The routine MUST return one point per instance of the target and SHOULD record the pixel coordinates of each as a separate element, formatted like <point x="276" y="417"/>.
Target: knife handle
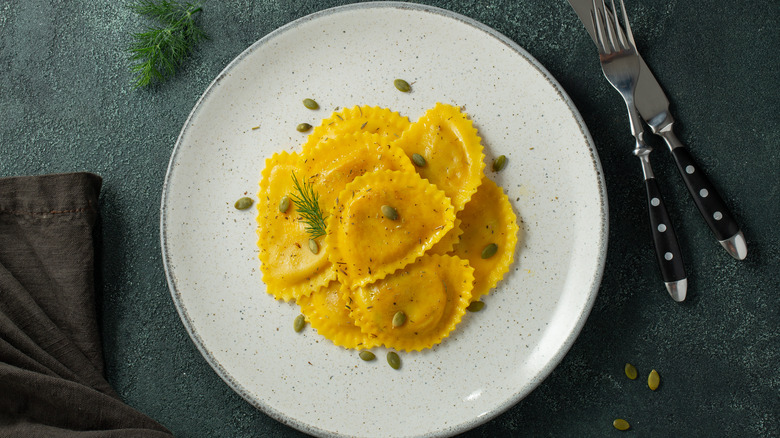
<point x="705" y="196"/>
<point x="667" y="249"/>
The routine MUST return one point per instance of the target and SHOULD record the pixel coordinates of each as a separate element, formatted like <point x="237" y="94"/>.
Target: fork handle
<point x="667" y="249"/>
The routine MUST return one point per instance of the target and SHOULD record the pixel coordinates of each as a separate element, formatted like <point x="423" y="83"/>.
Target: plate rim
<point x="603" y="215"/>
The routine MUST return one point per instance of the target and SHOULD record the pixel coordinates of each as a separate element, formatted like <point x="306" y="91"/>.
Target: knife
<point x="653" y="106"/>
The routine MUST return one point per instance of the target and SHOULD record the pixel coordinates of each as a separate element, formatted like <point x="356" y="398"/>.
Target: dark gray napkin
<point x="51" y="361"/>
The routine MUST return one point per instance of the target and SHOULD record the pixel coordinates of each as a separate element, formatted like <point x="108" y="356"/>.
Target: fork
<point x="620" y="64"/>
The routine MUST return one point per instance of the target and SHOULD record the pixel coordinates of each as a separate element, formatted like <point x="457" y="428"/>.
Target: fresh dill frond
<point x="161" y="49"/>
<point x="306" y="201"/>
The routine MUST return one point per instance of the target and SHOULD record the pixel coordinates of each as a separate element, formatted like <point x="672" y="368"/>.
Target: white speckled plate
<point x="348" y="56"/>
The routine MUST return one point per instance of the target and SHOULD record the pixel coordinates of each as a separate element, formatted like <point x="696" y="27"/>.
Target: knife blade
<point x="653" y="105"/>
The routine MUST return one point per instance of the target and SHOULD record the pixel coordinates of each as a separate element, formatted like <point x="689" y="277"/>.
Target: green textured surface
<point x="66" y="105"/>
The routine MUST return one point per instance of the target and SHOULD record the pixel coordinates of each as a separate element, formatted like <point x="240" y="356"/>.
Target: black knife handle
<point x="667" y="250"/>
<point x="707" y="199"/>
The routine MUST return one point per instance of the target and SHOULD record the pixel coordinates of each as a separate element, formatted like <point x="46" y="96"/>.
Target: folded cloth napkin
<point x="51" y="360"/>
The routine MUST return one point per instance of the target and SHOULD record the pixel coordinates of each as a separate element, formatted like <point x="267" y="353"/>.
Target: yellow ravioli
<point x="329" y="314"/>
<point x="335" y="162"/>
<point x="365" y="245"/>
<point x="449" y="240"/>
<point x="448" y="141"/>
<point x="289" y="268"/>
<point x="432" y="293"/>
<point x="373" y="120"/>
<point x="487" y="218"/>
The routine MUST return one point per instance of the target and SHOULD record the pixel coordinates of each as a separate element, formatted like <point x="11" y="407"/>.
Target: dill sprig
<point x="161" y="49"/>
<point x="307" y="204"/>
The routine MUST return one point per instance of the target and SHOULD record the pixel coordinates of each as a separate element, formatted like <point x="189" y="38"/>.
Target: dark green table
<point x="66" y="104"/>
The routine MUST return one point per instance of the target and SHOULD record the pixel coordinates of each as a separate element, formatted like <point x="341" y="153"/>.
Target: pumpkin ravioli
<point x="401" y="257"/>
<point x="329" y="314"/>
<point x="334" y="162"/>
<point x="370" y="119"/>
<point x="289" y="268"/>
<point x="448" y="141"/>
<point x="367" y="246"/>
<point x="449" y="240"/>
<point x="432" y="293"/>
<point x="487" y="218"/>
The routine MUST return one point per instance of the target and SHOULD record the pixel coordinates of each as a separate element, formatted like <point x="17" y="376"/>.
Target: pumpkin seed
<point x="475" y="306"/>
<point x="311" y="104"/>
<point x="303" y="127"/>
<point x="653" y="380"/>
<point x="393" y="360"/>
<point x="418" y="160"/>
<point x="313" y="246"/>
<point x="389" y="212"/>
<point x="399" y="319"/>
<point x="244" y="203"/>
<point x="499" y="163"/>
<point x="630" y="371"/>
<point x="621" y="424"/>
<point x="489" y="251"/>
<point x="299" y="323"/>
<point x="367" y="355"/>
<point x="402" y="85"/>
<point x="284" y="204"/>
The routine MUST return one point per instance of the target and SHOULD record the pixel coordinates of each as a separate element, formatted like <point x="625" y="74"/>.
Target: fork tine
<point x="613" y="38"/>
<point x="597" y="24"/>
<point x="621" y="36"/>
<point x="626" y="24"/>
